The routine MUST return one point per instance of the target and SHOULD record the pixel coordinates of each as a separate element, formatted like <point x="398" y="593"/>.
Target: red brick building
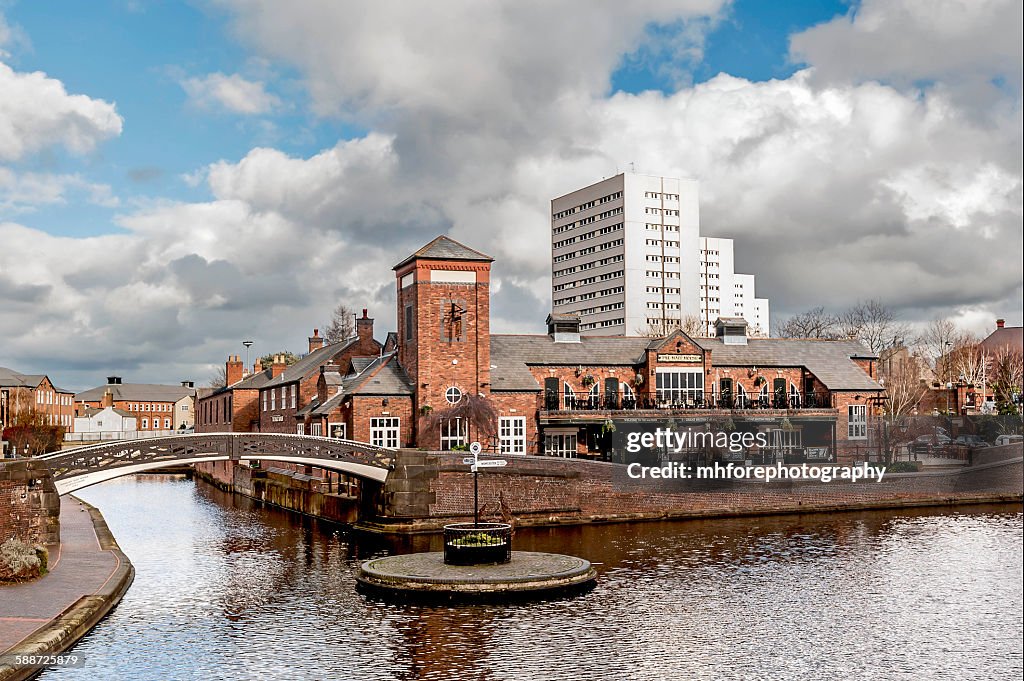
<point x="267" y="400"/>
<point x="556" y="393"/>
<point x="158" y="409"/>
<point x="22" y="392"/>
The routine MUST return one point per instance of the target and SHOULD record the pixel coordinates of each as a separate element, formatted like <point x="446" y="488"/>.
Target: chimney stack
<point x="1000" y="323"/>
<point x="113" y="380"/>
<point x="233" y="370"/>
<point x="278" y="367"/>
<point x="107" y="400"/>
<point x="364" y="329"/>
<point x="315" y="341"/>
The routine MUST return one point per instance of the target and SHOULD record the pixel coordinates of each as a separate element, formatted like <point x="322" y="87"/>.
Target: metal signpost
<point x="475" y="464"/>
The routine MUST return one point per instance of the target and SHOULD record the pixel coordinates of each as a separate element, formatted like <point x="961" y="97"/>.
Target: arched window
<point x="628" y="396"/>
<point x="741" y="396"/>
<point x="568" y="396"/>
<point x="794" y="397"/>
<point x="765" y="394"/>
<point x="594" y="398"/>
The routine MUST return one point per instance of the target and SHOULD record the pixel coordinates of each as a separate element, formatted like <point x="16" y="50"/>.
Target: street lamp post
<point x="248" y="344"/>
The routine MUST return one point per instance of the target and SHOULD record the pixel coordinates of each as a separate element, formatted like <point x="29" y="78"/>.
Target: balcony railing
<point x="551" y="401"/>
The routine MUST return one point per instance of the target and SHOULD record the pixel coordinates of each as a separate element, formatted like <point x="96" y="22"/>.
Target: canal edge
<point x="79" y="618"/>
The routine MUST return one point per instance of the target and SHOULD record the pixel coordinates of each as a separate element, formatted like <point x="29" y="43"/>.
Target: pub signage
<point x="679" y="358"/>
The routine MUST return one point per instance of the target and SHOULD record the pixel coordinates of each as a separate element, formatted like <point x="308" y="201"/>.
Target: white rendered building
<point x="627" y="256"/>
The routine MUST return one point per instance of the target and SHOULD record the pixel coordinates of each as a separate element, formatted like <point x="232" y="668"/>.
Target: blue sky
<point x="189" y="174"/>
<point x="135" y="54"/>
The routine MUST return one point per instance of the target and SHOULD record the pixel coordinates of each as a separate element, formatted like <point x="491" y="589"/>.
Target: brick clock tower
<point x="444" y="340"/>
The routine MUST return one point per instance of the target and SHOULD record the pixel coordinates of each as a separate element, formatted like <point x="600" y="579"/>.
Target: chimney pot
<point x="1000" y="323"/>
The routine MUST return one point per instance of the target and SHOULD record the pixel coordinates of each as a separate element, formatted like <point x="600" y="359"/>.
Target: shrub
<point x="20" y="561"/>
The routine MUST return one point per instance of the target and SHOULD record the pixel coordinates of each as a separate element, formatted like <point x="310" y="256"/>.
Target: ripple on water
<point x="225" y="590"/>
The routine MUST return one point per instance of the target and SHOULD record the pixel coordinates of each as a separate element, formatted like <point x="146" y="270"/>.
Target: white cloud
<point x="24" y="192"/>
<point x="37" y="112"/>
<point x="836" y="188"/>
<point x="230" y="92"/>
<point x="910" y="40"/>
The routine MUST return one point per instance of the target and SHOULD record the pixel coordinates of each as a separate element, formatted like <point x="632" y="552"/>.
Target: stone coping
<point x="427" y="574"/>
<point x="68" y="626"/>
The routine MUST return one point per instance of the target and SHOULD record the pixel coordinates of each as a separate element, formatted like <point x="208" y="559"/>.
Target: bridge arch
<point x="80" y="467"/>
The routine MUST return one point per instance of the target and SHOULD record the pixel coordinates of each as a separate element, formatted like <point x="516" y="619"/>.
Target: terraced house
<point x="556" y="393"/>
<point x="21" y="393"/>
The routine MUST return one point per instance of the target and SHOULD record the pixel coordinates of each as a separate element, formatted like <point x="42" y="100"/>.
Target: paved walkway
<point x="78" y="567"/>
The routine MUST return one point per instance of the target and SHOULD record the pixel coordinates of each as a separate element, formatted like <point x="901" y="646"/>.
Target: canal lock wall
<point x="427" y="490"/>
<point x="283" y="488"/>
<point x="430" y="489"/>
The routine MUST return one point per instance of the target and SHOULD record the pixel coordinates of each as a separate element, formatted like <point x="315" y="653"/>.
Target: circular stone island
<point x="527" y="575"/>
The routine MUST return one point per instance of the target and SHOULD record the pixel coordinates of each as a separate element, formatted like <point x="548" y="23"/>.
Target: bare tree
<point x="218" y="378"/>
<point x="1006" y="375"/>
<point x="905" y="383"/>
<point x="936" y="341"/>
<point x="341" y="326"/>
<point x="965" y="361"/>
<point x="691" y="325"/>
<point x="873" y="324"/>
<point x="814" y="323"/>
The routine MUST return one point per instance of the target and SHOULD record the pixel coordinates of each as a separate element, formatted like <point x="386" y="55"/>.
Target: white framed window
<point x="315" y="429"/>
<point x="560" y="443"/>
<point x="385" y="431"/>
<point x="568" y="396"/>
<point x="184" y="407"/>
<point x="453" y="395"/>
<point x="300" y="429"/>
<point x="679" y="385"/>
<point x="454" y="433"/>
<point x="294" y="391"/>
<point x="145" y="424"/>
<point x="338" y="431"/>
<point x="512" y="434"/>
<point x="167" y="424"/>
<point x="594" y="397"/>
<point x="857" y="422"/>
<point x="264" y="400"/>
<point x="273" y="400"/>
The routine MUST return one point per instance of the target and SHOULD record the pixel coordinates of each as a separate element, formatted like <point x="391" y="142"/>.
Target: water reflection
<point x="228" y="589"/>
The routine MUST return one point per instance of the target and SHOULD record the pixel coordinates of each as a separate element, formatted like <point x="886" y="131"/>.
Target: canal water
<point x="226" y="589"/>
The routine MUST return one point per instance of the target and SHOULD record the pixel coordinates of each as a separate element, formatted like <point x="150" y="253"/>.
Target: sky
<point x="177" y="177"/>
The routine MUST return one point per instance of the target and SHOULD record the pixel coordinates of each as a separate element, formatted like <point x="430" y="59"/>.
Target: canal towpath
<point x="88" y="575"/>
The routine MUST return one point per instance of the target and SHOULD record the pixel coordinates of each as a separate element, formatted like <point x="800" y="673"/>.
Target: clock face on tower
<point x="453" y="317"/>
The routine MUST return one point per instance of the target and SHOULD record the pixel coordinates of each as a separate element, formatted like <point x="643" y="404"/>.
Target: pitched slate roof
<point x="830" y="361"/>
<point x="305" y="366"/>
<point x="142" y="392"/>
<point x="389" y="379"/>
<point x="1009" y="336"/>
<point x="9" y="378"/>
<point x="444" y="248"/>
<point x="512" y="354"/>
<point x="382" y="376"/>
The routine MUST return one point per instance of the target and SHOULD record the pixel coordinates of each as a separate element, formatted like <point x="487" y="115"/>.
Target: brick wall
<point x="29" y="503"/>
<point x="429" y="489"/>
